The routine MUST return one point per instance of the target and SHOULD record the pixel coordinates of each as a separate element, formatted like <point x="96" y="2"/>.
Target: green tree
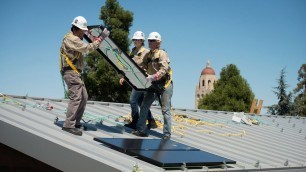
<point x="114" y="16"/>
<point x="273" y="109"/>
<point x="284" y="99"/>
<point x="101" y="79"/>
<point x="300" y="91"/>
<point x="231" y="93"/>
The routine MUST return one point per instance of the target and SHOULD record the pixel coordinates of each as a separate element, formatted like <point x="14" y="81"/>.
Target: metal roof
<point x="26" y="124"/>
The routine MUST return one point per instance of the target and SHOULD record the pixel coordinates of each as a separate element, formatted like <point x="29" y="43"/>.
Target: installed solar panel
<point x="177" y="158"/>
<point x="144" y="144"/>
<point x="164" y="153"/>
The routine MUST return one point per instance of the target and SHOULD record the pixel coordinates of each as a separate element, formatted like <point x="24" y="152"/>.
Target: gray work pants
<point x="78" y="98"/>
<point x="149" y="98"/>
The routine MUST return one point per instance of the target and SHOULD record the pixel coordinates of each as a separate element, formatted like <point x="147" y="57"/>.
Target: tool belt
<point x="157" y="88"/>
<point x="160" y="86"/>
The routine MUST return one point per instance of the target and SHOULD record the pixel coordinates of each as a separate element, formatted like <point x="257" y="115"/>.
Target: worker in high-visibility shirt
<point x="136" y="97"/>
<point x="156" y="64"/>
<point x="72" y="64"/>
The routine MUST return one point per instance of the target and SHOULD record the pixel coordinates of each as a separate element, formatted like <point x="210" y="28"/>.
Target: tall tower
<point x="206" y="83"/>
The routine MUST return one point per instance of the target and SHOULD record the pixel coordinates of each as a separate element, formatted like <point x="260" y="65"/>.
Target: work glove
<point x="98" y="39"/>
<point x="105" y="33"/>
<point x="151" y="78"/>
<point x="121" y="81"/>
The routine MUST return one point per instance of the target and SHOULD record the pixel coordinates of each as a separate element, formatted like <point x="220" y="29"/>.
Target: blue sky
<point x="259" y="36"/>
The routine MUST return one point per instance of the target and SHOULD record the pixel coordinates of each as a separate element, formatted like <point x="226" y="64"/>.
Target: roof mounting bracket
<point x="257" y="164"/>
<point x="224" y="166"/>
<point x="205" y="168"/>
<point x="286" y="163"/>
<point x="24" y="107"/>
<point x="183" y="166"/>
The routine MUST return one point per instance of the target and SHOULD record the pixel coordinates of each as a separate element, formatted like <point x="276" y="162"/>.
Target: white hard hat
<point x="154" y="36"/>
<point x="80" y="22"/>
<point x="139" y="35"/>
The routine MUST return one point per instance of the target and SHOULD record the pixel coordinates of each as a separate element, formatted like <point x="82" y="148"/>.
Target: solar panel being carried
<point x="119" y="60"/>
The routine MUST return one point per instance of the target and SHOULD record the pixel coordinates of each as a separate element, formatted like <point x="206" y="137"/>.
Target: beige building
<point x="206" y="83"/>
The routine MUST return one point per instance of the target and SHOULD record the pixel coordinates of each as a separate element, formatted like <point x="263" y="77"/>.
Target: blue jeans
<point x="149" y="98"/>
<point x="136" y="99"/>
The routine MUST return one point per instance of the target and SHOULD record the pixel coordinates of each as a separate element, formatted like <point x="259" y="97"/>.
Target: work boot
<point x="166" y="137"/>
<point x="80" y="126"/>
<point x="139" y="133"/>
<point x="152" y="124"/>
<point x="133" y="124"/>
<point x="74" y="131"/>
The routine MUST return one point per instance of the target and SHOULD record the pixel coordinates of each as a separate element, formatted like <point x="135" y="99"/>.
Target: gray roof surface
<point x="26" y="124"/>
